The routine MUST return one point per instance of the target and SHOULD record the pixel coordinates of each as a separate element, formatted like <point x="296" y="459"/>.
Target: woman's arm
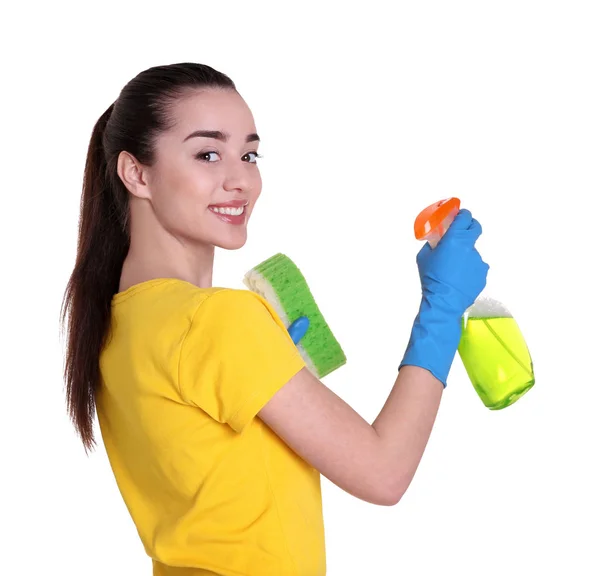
<point x="375" y="463"/>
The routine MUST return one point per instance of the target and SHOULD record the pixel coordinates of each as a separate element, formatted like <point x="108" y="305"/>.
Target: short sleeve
<point x="236" y="355"/>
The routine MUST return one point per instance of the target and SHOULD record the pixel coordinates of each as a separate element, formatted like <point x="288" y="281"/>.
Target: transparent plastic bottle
<point x="492" y="347"/>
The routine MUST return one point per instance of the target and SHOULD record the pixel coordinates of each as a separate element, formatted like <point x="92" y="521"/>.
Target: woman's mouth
<point x="231" y="213"/>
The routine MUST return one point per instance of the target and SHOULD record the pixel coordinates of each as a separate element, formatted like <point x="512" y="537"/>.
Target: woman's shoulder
<point x="175" y="297"/>
<point x="165" y="290"/>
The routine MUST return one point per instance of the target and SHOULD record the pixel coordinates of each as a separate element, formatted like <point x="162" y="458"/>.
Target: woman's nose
<point x="236" y="176"/>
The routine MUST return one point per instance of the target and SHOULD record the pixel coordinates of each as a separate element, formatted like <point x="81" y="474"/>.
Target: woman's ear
<point x="132" y="175"/>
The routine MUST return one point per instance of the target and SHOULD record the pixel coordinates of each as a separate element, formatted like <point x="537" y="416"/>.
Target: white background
<point x="367" y="113"/>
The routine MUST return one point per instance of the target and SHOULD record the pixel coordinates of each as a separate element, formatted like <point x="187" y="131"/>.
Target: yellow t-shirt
<point x="210" y="488"/>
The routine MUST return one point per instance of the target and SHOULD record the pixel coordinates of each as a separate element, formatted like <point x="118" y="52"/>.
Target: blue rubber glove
<point x="452" y="276"/>
<point x="298" y="329"/>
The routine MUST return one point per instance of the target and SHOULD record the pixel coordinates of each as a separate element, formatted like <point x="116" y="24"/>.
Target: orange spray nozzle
<point x="431" y="224"/>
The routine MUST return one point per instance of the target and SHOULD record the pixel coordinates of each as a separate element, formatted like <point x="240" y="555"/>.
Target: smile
<point x="235" y="214"/>
<point x="230" y="211"/>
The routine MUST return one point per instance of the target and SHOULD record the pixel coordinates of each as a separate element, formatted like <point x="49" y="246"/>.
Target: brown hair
<point x="131" y="123"/>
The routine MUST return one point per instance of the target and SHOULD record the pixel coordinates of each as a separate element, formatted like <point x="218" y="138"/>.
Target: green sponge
<point x="283" y="286"/>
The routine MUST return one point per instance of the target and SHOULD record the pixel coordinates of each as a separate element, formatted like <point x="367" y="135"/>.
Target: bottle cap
<point x="433" y="221"/>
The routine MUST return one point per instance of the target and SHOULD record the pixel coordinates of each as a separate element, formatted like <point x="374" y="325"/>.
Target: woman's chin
<point x="232" y="243"/>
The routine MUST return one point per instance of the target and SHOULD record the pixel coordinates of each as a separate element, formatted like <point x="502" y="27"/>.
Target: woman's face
<point x="205" y="179"/>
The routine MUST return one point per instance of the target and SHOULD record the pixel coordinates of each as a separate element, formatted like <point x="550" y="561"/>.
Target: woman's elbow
<point x="390" y="497"/>
<point x="392" y="491"/>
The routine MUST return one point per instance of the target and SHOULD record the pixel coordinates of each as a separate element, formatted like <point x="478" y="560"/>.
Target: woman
<point x="216" y="431"/>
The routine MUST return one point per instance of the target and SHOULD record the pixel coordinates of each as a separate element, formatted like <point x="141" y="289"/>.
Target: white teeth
<point x="231" y="211"/>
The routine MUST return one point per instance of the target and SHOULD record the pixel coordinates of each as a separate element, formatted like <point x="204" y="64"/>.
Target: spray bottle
<point x="492" y="348"/>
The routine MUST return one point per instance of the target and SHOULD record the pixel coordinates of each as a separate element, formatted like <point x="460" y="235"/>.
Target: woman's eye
<point x="205" y="156"/>
<point x="248" y="157"/>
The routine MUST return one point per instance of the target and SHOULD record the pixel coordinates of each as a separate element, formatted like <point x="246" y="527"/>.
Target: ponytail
<point x="103" y="243"/>
<point x="141" y="112"/>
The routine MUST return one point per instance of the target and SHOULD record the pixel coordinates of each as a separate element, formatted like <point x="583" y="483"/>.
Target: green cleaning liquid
<point x="495" y="354"/>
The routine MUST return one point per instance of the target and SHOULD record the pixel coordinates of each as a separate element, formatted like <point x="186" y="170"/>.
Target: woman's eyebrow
<point x="218" y="135"/>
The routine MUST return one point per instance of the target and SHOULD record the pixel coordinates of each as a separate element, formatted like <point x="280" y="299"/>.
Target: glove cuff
<point x="434" y="340"/>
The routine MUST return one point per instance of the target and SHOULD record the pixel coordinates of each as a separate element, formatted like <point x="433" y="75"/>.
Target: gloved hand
<point x="452" y="276"/>
<point x="298" y="329"/>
